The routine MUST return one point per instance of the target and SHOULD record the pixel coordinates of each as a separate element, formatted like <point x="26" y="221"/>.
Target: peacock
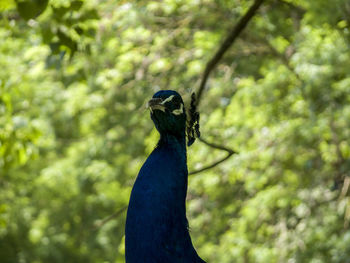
<point x="156" y="228"/>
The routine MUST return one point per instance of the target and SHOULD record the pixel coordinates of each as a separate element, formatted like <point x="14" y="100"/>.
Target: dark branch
<point x="229" y="151"/>
<point x="117" y="213"/>
<point x="283" y="58"/>
<point x="232" y="36"/>
<point x="217" y="146"/>
<point x="211" y="165"/>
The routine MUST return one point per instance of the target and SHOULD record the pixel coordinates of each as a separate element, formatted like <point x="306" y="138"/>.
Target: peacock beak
<point x="156" y="104"/>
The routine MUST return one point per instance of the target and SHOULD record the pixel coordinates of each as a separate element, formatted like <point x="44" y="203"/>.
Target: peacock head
<point x="169" y="115"/>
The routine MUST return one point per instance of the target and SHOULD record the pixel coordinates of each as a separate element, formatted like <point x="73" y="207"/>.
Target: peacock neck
<point x="176" y="143"/>
<point x="174" y="147"/>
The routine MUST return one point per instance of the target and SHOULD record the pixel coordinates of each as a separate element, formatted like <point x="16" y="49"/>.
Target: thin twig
<point x="286" y="62"/>
<point x="283" y="58"/>
<point x="232" y="36"/>
<point x="217" y="146"/>
<point x="117" y="213"/>
<point x="229" y="151"/>
<point x="211" y="165"/>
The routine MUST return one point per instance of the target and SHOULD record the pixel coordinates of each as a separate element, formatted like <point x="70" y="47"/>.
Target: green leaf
<point x="29" y="9"/>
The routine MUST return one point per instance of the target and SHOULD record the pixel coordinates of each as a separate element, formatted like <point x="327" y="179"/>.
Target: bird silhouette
<point x="156" y="228"/>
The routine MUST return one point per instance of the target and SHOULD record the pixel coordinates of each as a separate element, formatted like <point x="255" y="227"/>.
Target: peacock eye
<point x="176" y="104"/>
<point x="176" y="101"/>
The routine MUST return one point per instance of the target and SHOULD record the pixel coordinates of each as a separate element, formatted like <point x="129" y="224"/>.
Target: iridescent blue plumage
<point x="156" y="226"/>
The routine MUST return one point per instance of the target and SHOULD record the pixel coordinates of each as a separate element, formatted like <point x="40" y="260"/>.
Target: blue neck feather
<point x="156" y="227"/>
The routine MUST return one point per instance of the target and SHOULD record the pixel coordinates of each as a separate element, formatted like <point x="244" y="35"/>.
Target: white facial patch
<point x="170" y="98"/>
<point x="157" y="107"/>
<point x="178" y="111"/>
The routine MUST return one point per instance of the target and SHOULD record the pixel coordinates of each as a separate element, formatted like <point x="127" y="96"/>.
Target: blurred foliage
<point x="74" y="79"/>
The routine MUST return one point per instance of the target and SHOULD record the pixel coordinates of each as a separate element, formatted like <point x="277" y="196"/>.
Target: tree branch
<point x="232" y="36"/>
<point x="217" y="146"/>
<point x="101" y="222"/>
<point x="229" y="151"/>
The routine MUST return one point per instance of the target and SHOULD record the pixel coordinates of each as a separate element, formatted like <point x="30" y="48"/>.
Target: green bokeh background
<point x="74" y="79"/>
